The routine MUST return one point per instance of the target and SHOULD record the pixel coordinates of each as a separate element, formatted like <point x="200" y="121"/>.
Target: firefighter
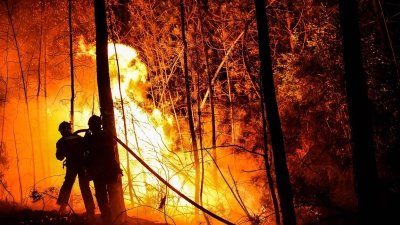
<point x="70" y="147"/>
<point x="101" y="165"/>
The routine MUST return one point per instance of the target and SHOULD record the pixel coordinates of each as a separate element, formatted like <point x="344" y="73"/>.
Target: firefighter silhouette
<point x="70" y="147"/>
<point x="101" y="165"/>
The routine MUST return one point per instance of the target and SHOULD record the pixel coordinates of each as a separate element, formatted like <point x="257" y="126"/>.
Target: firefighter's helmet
<point x="94" y="121"/>
<point x="64" y="126"/>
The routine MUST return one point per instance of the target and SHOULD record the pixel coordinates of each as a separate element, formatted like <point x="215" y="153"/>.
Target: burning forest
<point x="221" y="112"/>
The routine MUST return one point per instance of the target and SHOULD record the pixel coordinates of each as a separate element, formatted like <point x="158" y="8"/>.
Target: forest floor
<point x="17" y="215"/>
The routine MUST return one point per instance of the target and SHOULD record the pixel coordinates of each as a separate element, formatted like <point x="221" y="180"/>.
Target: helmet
<point x="64" y="126"/>
<point x="94" y="121"/>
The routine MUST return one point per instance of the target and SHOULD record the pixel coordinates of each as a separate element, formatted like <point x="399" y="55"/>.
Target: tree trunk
<point x="71" y="60"/>
<point x="203" y="14"/>
<point x="281" y="170"/>
<point x="128" y="168"/>
<point x="105" y="97"/>
<point x="38" y="114"/>
<point x="360" y="115"/>
<point x="266" y="162"/>
<point x="190" y="113"/>
<point x="25" y="88"/>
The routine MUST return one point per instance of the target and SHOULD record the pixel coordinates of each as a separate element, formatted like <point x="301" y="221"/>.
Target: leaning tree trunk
<point x="278" y="149"/>
<point x="105" y="97"/>
<point x="360" y="116"/>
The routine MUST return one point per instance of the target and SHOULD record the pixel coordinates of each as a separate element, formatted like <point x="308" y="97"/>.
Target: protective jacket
<point x="71" y="148"/>
<point x="100" y="160"/>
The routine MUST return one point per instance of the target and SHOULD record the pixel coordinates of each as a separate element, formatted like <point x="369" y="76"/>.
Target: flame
<point x="146" y="135"/>
<point x="145" y="130"/>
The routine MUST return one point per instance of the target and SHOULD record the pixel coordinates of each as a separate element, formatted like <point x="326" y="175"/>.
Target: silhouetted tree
<point x="360" y="115"/>
<point x="190" y="112"/>
<point x="105" y="96"/>
<point x="281" y="170"/>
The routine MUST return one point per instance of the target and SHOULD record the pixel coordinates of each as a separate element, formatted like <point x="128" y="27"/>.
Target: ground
<point x="16" y="215"/>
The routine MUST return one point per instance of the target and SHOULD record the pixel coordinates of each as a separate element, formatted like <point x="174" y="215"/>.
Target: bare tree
<point x="105" y="97"/>
<point x="71" y="60"/>
<point x="203" y="14"/>
<point x="267" y="79"/>
<point x="360" y="116"/>
<point x="190" y="111"/>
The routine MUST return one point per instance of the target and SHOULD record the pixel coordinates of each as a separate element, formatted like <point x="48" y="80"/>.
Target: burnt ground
<point x="16" y="215"/>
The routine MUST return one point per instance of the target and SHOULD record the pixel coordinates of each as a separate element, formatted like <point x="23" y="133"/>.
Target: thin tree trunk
<point x="18" y="169"/>
<point x="5" y="92"/>
<point x="141" y="156"/>
<point x="40" y="54"/>
<point x="71" y="60"/>
<point x="177" y="122"/>
<point x="232" y="117"/>
<point x="15" y="140"/>
<point x="190" y="112"/>
<point x="210" y="87"/>
<point x="128" y="168"/>
<point x="281" y="170"/>
<point x="39" y="134"/>
<point x="360" y="116"/>
<point x="220" y="66"/>
<point x="49" y="155"/>
<point x="200" y="139"/>
<point x="200" y="142"/>
<point x="389" y="39"/>
<point x="105" y="98"/>
<point x="24" y="84"/>
<point x="266" y="162"/>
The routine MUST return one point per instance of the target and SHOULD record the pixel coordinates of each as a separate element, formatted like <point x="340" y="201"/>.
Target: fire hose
<point x="141" y="161"/>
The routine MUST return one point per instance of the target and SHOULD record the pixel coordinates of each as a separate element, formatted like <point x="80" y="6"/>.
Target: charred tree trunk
<point x="266" y="162"/>
<point x="281" y="170"/>
<point x="190" y="113"/>
<point x="105" y="96"/>
<point x="360" y="116"/>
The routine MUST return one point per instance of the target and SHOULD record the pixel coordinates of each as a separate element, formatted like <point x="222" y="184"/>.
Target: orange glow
<point x="150" y="133"/>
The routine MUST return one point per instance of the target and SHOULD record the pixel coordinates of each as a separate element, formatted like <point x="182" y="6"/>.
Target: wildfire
<point x="143" y="130"/>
